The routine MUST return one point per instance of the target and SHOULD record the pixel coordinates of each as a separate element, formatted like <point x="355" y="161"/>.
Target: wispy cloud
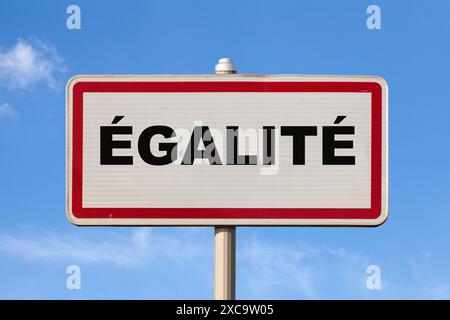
<point x="298" y="270"/>
<point x="266" y="269"/>
<point x="28" y="63"/>
<point x="140" y="248"/>
<point x="7" y="111"/>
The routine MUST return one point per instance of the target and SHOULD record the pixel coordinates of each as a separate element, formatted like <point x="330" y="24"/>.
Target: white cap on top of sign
<point x="225" y="66"/>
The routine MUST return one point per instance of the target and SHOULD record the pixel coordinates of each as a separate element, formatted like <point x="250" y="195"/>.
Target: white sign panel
<point x="226" y="150"/>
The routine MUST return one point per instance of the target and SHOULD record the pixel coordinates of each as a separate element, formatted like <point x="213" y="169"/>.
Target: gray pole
<point x="225" y="236"/>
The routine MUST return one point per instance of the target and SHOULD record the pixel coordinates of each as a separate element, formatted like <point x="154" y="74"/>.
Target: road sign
<point x="227" y="150"/>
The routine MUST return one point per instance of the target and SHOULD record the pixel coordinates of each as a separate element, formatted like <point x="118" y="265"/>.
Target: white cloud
<point x="141" y="248"/>
<point x="271" y="267"/>
<point x="6" y="111"/>
<point x="28" y="63"/>
<point x="265" y="269"/>
<point x="295" y="269"/>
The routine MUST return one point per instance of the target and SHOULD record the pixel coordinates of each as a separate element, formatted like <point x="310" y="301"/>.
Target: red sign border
<point x="371" y="213"/>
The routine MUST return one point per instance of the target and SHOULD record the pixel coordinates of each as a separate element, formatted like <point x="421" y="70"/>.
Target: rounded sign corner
<point x="381" y="82"/>
<point x="72" y="82"/>
<point x="72" y="218"/>
<point x="380" y="220"/>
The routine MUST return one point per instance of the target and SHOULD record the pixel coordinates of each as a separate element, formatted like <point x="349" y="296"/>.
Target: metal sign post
<point x="224" y="263"/>
<point x="225" y="237"/>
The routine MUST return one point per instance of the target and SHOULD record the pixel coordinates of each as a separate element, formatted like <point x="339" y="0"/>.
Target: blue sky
<point x="38" y="54"/>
